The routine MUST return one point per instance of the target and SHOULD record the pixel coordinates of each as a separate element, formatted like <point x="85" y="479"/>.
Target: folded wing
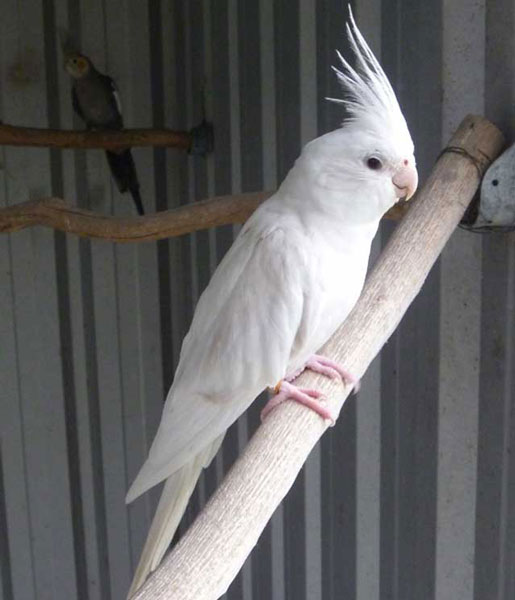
<point x="240" y="342"/>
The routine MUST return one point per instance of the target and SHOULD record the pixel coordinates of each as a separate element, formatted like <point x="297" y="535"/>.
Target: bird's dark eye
<point x="374" y="163"/>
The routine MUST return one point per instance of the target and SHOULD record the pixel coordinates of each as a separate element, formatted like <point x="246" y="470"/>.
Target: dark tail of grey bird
<point x="123" y="170"/>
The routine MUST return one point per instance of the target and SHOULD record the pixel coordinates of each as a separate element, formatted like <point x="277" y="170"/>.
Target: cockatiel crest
<point x="368" y="95"/>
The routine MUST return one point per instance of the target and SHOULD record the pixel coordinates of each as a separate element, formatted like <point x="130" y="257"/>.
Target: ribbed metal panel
<point x="412" y="494"/>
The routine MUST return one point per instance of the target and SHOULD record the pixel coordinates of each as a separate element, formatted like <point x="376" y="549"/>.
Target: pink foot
<point x="307" y="397"/>
<point x="330" y="368"/>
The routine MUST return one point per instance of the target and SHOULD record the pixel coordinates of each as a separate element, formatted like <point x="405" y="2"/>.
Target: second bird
<point x="96" y="101"/>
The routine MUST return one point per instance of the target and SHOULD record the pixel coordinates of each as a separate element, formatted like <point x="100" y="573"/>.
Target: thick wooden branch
<point x="110" y="140"/>
<point x="208" y="557"/>
<point x="59" y="214"/>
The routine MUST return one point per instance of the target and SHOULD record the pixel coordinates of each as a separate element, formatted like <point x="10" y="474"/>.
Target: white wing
<point x="240" y="341"/>
<point x="116" y="96"/>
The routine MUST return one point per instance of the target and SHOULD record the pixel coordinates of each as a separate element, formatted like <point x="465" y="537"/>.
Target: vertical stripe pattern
<point x="412" y="494"/>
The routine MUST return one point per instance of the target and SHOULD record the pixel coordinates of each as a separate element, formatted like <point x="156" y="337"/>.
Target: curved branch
<point x="59" y="214"/>
<point x="110" y="140"/>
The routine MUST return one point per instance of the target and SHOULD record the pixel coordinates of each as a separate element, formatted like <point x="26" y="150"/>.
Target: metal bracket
<point x="202" y="139"/>
<point x="493" y="209"/>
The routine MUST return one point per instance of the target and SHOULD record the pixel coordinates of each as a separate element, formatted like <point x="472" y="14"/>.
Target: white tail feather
<point x="172" y="504"/>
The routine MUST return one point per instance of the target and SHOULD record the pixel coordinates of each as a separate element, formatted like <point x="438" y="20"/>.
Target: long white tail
<point x="172" y="504"/>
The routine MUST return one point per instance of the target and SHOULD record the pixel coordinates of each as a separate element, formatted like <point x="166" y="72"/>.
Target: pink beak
<point x="405" y="180"/>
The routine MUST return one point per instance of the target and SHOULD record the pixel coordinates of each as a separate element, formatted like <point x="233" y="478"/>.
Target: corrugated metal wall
<point x="412" y="495"/>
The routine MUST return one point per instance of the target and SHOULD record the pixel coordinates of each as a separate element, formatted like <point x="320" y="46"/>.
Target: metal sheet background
<point x="412" y="495"/>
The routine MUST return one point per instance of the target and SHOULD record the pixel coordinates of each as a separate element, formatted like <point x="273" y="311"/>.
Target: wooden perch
<point x="208" y="557"/>
<point x="58" y="214"/>
<point x="110" y="140"/>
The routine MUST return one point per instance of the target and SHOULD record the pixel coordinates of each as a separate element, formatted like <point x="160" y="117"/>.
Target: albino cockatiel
<point x="290" y="279"/>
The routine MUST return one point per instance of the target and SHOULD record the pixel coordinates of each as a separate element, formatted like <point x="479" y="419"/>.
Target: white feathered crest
<point x="368" y="95"/>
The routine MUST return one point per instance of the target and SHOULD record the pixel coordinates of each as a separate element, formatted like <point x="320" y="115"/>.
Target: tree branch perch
<point x="210" y="554"/>
<point x="109" y="140"/>
<point x="59" y="214"/>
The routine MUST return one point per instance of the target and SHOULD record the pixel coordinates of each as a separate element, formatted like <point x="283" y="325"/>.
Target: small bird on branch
<point x="290" y="279"/>
<point x="96" y="101"/>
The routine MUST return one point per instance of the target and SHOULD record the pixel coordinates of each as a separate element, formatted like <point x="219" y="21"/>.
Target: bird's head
<point x="77" y="65"/>
<point x="371" y="157"/>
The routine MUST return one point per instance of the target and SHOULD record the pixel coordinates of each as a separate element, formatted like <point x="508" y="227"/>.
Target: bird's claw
<point x="306" y="396"/>
<point x="333" y="370"/>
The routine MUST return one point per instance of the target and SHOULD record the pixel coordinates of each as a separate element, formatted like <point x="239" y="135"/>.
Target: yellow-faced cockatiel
<point x="96" y="101"/>
<point x="290" y="279"/>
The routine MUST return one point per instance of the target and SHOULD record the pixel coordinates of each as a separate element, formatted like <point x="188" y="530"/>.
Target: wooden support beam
<point x="210" y="554"/>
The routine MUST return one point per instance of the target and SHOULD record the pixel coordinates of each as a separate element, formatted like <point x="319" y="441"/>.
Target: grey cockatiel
<point x="290" y="279"/>
<point x="96" y="101"/>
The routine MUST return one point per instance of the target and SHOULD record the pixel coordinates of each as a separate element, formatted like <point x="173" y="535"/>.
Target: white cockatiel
<point x="290" y="279"/>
